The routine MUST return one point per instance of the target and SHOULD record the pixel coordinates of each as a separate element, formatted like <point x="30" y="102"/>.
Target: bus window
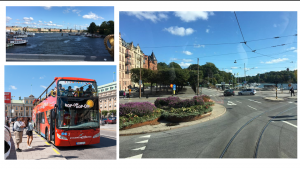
<point x="43" y="117"/>
<point x="48" y="113"/>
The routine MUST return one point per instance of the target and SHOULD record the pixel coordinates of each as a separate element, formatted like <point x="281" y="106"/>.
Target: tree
<point x="174" y="65"/>
<point x="92" y="28"/>
<point x="161" y="65"/>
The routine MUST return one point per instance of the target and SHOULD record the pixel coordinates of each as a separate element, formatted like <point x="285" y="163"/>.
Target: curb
<point x="186" y="125"/>
<point x="271" y="100"/>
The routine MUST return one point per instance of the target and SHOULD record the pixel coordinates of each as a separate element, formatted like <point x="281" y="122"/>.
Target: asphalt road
<point x="106" y="149"/>
<point x="251" y="128"/>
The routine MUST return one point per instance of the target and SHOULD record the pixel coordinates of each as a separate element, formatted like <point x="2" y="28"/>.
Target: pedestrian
<point x="292" y="89"/>
<point x="19" y="127"/>
<point x="29" y="133"/>
<point x="124" y="94"/>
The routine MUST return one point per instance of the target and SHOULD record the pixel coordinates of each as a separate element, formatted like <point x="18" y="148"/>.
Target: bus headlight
<point x="61" y="137"/>
<point x="97" y="135"/>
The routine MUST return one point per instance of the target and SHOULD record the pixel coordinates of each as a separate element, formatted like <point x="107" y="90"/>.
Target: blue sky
<point x="57" y="17"/>
<point x="182" y="37"/>
<point x="18" y="79"/>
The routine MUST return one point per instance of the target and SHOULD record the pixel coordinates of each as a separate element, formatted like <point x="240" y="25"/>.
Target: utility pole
<point x="198" y="78"/>
<point x="140" y="76"/>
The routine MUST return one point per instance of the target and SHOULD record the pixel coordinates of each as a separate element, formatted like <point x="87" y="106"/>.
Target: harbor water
<point x="284" y="86"/>
<point x="55" y="43"/>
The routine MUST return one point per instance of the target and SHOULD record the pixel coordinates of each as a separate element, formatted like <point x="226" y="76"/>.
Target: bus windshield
<point x="73" y="88"/>
<point x="77" y="114"/>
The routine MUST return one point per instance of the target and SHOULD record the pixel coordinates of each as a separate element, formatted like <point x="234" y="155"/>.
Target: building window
<point x="26" y="101"/>
<point x="16" y="108"/>
<point x="26" y="108"/>
<point x="21" y="108"/>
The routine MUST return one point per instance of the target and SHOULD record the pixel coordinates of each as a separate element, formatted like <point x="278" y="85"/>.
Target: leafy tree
<point x="174" y="65"/>
<point x="161" y="65"/>
<point x="113" y="112"/>
<point x="92" y="28"/>
<point x="104" y="113"/>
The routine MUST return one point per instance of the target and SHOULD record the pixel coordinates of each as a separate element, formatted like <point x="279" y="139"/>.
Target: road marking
<point x="290" y="102"/>
<point x="230" y="103"/>
<point x="254" y="101"/>
<point x="290" y="124"/>
<point x="141" y="148"/>
<point x="238" y="102"/>
<point x="136" y="157"/>
<point x="47" y="143"/>
<point x="210" y="95"/>
<point x="252" y="107"/>
<point x="56" y="151"/>
<point x="145" y="141"/>
<point x="250" y="99"/>
<point x="147" y="136"/>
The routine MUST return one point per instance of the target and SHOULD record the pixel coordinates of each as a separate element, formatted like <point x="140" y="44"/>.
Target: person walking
<point x="29" y="133"/>
<point x="292" y="91"/>
<point x="124" y="94"/>
<point x="19" y="127"/>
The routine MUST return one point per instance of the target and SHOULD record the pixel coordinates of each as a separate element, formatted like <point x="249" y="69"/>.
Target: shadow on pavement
<point x="70" y="157"/>
<point x="104" y="142"/>
<point x="285" y="120"/>
<point x="51" y="156"/>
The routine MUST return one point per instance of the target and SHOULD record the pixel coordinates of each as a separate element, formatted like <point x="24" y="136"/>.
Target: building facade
<point x="54" y="30"/>
<point x="150" y="62"/>
<point x="21" y="107"/>
<point x="108" y="96"/>
<point x="43" y="30"/>
<point x="130" y="57"/>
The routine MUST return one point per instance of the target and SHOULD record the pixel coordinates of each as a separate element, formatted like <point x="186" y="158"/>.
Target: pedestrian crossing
<point x="141" y="145"/>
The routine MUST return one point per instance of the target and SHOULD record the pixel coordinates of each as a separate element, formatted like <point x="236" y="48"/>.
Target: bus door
<point x="38" y="123"/>
<point x="52" y="125"/>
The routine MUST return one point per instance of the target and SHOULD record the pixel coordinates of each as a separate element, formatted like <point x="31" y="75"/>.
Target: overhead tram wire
<point x="245" y="42"/>
<point x="220" y="43"/>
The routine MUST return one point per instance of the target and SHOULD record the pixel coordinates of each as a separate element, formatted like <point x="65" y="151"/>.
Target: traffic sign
<point x="174" y="86"/>
<point x="290" y="85"/>
<point x="140" y="82"/>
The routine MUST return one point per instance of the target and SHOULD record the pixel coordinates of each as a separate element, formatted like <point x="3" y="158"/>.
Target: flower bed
<point x="137" y="114"/>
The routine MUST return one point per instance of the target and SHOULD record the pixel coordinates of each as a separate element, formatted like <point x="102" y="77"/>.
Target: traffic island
<point x="273" y="99"/>
<point x="192" y="111"/>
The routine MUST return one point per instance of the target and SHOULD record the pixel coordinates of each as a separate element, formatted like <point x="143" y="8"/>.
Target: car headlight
<point x="61" y="137"/>
<point x="96" y="135"/>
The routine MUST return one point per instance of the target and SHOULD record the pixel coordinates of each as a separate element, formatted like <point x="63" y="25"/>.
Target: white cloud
<point x="8" y="19"/>
<point x="207" y="31"/>
<point x="45" y="87"/>
<point x="40" y="21"/>
<point x="291" y="48"/>
<point x="47" y="7"/>
<point x="227" y="70"/>
<point x="180" y="31"/>
<point x="91" y="15"/>
<point x="28" y="19"/>
<point x="50" y="21"/>
<point x="187" y="52"/>
<point x="153" y="16"/>
<point x="42" y="77"/>
<point x="188" y="16"/>
<point x="187" y="60"/>
<point x="67" y="10"/>
<point x="199" y="46"/>
<point x="12" y="87"/>
<point x="17" y="19"/>
<point x="76" y="11"/>
<point x="182" y="64"/>
<point x="277" y="60"/>
<point x="295" y="51"/>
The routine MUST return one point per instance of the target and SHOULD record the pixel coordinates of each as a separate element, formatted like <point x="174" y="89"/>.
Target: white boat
<point x="16" y="41"/>
<point x="31" y="34"/>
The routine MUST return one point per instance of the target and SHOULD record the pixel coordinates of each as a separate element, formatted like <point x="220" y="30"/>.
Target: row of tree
<point x="106" y="28"/>
<point x="209" y="74"/>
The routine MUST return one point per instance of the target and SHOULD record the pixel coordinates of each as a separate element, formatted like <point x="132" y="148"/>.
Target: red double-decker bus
<point x="67" y="112"/>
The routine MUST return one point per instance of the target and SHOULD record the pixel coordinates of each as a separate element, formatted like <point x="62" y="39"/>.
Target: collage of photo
<point x="155" y="85"/>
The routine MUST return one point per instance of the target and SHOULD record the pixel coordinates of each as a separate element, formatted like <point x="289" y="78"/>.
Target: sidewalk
<point x="41" y="149"/>
<point x="218" y="110"/>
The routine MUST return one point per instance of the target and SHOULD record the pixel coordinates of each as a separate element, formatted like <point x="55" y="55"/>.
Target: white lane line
<point x="141" y="148"/>
<point x="145" y="141"/>
<point x="147" y="136"/>
<point x="290" y="124"/>
<point x="238" y="102"/>
<point x="136" y="157"/>
<point x="252" y="107"/>
<point x="250" y="99"/>
<point x="257" y="101"/>
<point x="290" y="102"/>
<point x="230" y="103"/>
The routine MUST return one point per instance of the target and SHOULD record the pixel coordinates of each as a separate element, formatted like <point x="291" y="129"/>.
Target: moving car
<point x="110" y="120"/>
<point x="247" y="92"/>
<point x="138" y="89"/>
<point x="229" y="92"/>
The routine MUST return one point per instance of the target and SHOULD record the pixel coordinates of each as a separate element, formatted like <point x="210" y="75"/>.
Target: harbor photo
<point x="59" y="33"/>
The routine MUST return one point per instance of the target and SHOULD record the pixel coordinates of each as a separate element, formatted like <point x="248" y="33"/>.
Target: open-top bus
<point x="68" y="115"/>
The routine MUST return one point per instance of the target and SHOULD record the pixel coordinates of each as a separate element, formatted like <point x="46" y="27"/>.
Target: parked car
<point x="229" y="92"/>
<point x="121" y="93"/>
<point x="247" y="92"/>
<point x="103" y="120"/>
<point x="138" y="89"/>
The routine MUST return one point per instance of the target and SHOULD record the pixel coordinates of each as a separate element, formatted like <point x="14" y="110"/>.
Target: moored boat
<point x="16" y="41"/>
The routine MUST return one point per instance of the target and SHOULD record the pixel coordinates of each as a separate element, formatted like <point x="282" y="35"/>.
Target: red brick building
<point x="150" y="62"/>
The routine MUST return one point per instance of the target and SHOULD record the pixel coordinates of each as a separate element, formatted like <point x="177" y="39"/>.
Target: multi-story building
<point x="21" y="107"/>
<point x="13" y="28"/>
<point x="43" y="30"/>
<point x="150" y="62"/>
<point x="130" y="57"/>
<point x="108" y="96"/>
<point x="54" y="30"/>
<point x="29" y="29"/>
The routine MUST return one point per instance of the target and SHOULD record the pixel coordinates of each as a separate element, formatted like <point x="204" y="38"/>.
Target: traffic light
<point x="171" y="85"/>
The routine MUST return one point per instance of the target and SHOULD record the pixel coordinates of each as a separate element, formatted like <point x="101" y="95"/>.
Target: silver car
<point x="247" y="92"/>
